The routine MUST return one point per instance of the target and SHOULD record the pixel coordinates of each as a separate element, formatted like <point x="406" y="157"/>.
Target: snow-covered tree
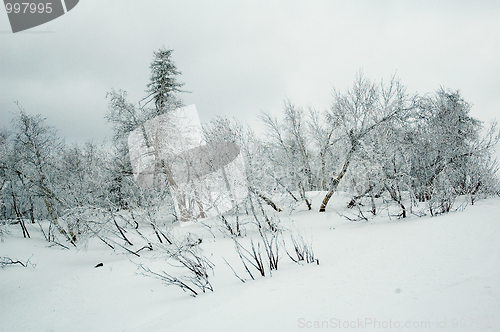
<point x="36" y="163"/>
<point x="163" y="90"/>
<point x="291" y="156"/>
<point x="163" y="86"/>
<point x="444" y="142"/>
<point x="357" y="113"/>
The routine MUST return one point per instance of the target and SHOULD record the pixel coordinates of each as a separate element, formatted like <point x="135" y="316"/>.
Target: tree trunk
<point x="303" y="195"/>
<point x="335" y="182"/>
<point x="323" y="169"/>
<point x="50" y="210"/>
<point x="19" y="215"/>
<point x="267" y="200"/>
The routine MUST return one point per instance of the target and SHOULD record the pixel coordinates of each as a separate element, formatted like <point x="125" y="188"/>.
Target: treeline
<point x="376" y="142"/>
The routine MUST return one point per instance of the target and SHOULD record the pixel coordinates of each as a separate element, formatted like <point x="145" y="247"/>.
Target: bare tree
<point x="322" y="136"/>
<point x="37" y="148"/>
<point x="290" y="146"/>
<point x="357" y="113"/>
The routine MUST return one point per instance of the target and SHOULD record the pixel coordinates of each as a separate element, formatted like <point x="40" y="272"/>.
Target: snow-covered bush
<point x="188" y="256"/>
<point x="303" y="250"/>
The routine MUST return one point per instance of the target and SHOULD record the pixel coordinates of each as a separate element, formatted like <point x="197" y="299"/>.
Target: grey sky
<point x="241" y="57"/>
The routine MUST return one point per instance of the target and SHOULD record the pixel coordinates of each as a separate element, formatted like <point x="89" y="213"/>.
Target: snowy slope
<point x="430" y="274"/>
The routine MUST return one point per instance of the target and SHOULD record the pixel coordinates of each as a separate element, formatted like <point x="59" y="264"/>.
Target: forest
<point x="392" y="152"/>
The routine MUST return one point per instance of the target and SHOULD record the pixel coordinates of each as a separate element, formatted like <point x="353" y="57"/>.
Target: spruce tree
<point x="163" y="86"/>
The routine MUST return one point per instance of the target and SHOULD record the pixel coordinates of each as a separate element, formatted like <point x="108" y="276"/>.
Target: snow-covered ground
<point x="429" y="273"/>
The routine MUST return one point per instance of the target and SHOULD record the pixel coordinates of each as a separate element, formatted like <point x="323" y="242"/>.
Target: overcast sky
<point x="242" y="57"/>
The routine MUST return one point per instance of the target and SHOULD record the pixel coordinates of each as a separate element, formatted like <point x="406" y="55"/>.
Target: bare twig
<point x="236" y="274"/>
<point x="4" y="261"/>
<point x="168" y="279"/>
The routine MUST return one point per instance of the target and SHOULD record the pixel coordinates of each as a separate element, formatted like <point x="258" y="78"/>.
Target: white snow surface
<point x="386" y="274"/>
